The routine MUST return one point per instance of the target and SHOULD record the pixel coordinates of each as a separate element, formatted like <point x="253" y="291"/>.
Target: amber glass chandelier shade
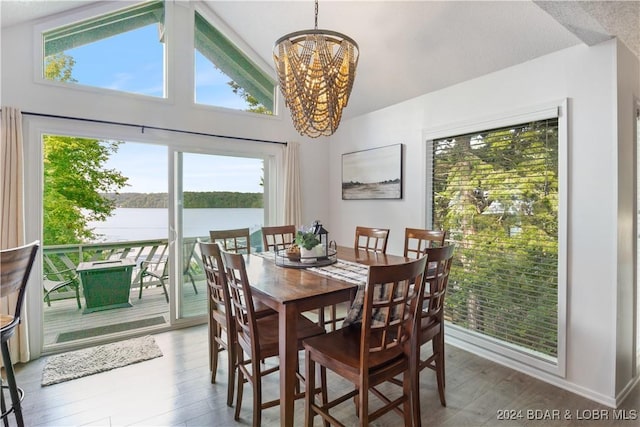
<point x="316" y="70"/>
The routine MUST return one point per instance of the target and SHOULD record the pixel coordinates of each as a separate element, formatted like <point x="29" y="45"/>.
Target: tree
<point x="254" y="105"/>
<point x="59" y="67"/>
<point x="496" y="194"/>
<point x="74" y="175"/>
<point x="74" y="180"/>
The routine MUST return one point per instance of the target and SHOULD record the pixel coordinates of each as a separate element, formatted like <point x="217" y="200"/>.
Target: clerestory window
<point x="122" y="50"/>
<point x="225" y="76"/>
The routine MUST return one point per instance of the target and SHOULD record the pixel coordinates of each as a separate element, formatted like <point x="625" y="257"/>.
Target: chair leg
<point x="309" y="395"/>
<point x="215" y="350"/>
<point x="236" y="416"/>
<point x="140" y="293"/>
<point x="231" y="368"/>
<point x="164" y="288"/>
<point x="13" y="387"/>
<point x="257" y="394"/>
<point x="438" y="348"/>
<point x="77" y="288"/>
<point x="193" y="283"/>
<point x="363" y="404"/>
<point x="334" y="315"/>
<point x="321" y="320"/>
<point x="407" y="405"/>
<point x="414" y="376"/>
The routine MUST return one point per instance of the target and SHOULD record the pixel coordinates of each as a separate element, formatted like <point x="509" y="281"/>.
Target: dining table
<point x="291" y="291"/>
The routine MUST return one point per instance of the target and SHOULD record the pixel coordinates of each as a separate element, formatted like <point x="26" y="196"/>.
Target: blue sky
<point x="146" y="167"/>
<point x="133" y="62"/>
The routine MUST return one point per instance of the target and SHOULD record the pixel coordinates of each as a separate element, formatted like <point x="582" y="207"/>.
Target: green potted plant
<point x="307" y="241"/>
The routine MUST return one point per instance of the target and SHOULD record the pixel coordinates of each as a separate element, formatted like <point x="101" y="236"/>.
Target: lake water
<point x="152" y="223"/>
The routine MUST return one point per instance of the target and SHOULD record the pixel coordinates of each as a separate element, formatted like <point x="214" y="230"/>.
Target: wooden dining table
<point x="291" y="291"/>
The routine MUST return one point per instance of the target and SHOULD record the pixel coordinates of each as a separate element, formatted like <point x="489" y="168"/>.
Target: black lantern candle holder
<point x="323" y="236"/>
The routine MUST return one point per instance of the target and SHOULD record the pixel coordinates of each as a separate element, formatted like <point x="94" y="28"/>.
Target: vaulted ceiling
<point x="408" y="48"/>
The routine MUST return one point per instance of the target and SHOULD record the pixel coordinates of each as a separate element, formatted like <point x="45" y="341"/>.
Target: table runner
<point x="347" y="271"/>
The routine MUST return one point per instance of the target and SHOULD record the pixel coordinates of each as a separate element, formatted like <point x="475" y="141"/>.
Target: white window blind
<point x="496" y="194"/>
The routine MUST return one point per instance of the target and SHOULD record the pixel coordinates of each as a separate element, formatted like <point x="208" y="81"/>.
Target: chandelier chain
<point x="316" y="27"/>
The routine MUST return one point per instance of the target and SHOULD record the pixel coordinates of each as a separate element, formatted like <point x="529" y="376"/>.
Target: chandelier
<point x="316" y="70"/>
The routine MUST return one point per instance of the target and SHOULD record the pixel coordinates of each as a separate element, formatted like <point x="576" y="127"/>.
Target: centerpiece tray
<point x="283" y="259"/>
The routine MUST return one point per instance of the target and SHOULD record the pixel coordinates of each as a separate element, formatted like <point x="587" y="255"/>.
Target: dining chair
<point x="417" y="240"/>
<point x="374" y="351"/>
<point x="221" y="324"/>
<point x="371" y="239"/>
<point x="431" y="322"/>
<point x="237" y="240"/>
<point x="278" y="237"/>
<point x="222" y="332"/>
<point x="439" y="261"/>
<point x="258" y="338"/>
<point x="15" y="268"/>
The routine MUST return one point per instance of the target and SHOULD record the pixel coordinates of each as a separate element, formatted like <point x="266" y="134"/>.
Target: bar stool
<point x="15" y="267"/>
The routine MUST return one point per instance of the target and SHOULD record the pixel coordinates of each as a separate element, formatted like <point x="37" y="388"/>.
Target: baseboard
<point x="626" y="390"/>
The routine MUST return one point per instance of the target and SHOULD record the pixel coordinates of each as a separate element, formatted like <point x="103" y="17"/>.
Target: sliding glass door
<point x="104" y="203"/>
<point x="212" y="192"/>
<point x="144" y="204"/>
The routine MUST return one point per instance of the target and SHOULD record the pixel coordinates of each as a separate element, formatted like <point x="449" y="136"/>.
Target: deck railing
<point x="63" y="257"/>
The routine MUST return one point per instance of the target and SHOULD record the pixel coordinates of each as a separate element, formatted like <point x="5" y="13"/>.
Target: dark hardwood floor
<point x="175" y="390"/>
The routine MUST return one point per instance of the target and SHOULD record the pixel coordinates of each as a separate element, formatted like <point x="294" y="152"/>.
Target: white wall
<point x="628" y="92"/>
<point x="587" y="77"/>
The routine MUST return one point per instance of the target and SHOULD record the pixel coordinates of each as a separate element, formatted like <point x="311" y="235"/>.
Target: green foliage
<point x="205" y="199"/>
<point x="307" y="239"/>
<point x="497" y="195"/>
<point x="59" y="67"/>
<point x="74" y="178"/>
<point x="254" y="105"/>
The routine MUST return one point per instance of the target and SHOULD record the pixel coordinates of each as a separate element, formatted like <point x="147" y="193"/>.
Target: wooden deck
<point x="64" y="316"/>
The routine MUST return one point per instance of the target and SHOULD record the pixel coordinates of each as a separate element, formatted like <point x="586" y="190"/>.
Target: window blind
<point x="496" y="194"/>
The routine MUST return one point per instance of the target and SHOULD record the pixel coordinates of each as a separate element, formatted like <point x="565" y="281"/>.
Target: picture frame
<point x="375" y="173"/>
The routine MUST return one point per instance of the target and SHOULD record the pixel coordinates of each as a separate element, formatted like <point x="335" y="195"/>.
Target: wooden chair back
<point x="439" y="261"/>
<point x="242" y="301"/>
<point x="389" y="310"/>
<point x="371" y="239"/>
<point x="431" y="321"/>
<point x="237" y="240"/>
<point x="417" y="240"/>
<point x="220" y="300"/>
<point x="15" y="268"/>
<point x="278" y="237"/>
<point x="377" y="351"/>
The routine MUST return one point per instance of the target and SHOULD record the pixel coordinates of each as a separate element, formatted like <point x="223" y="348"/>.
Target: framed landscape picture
<point x="372" y="174"/>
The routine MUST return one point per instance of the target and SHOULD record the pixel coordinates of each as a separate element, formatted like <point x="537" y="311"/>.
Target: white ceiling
<point x="408" y="48"/>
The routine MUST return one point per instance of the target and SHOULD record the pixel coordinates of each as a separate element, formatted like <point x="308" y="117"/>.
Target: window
<point x="496" y="192"/>
<point x="122" y="50"/>
<point x="225" y="76"/>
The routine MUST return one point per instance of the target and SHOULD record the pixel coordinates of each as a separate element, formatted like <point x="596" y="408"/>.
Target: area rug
<point x="89" y="361"/>
<point x="110" y="329"/>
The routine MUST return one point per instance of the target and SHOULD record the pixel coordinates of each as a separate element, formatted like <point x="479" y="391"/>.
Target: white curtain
<point x="11" y="214"/>
<point x="292" y="194"/>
